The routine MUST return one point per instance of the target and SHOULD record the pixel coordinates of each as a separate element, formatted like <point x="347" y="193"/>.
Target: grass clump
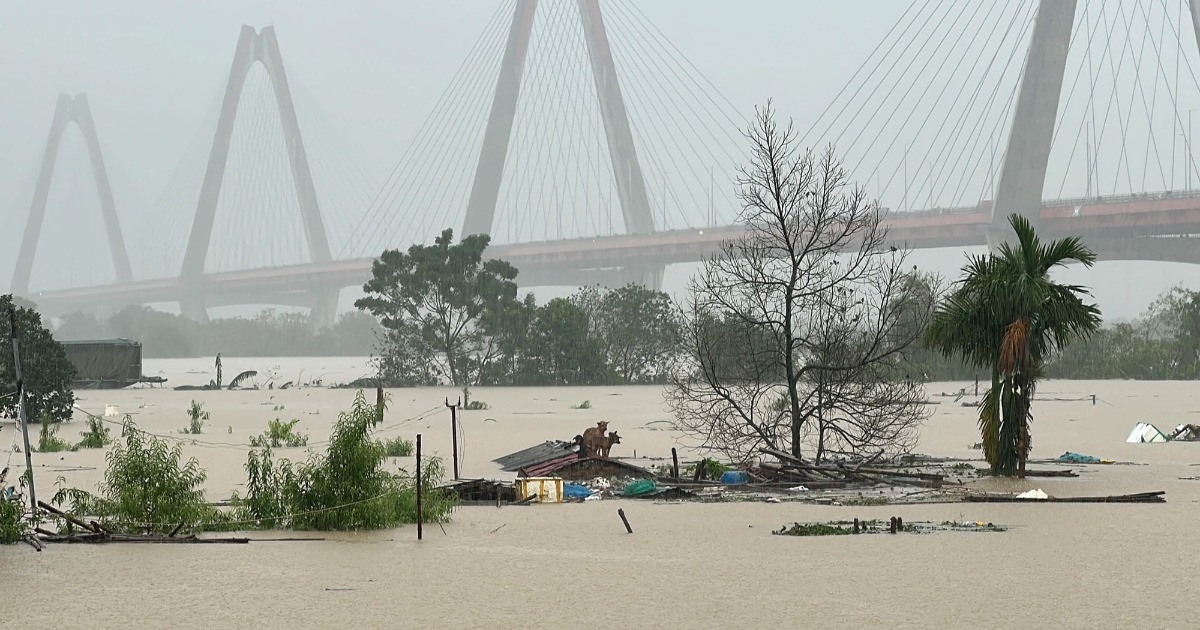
<point x="477" y="405"/>
<point x="197" y="418"/>
<point x="97" y="435"/>
<point x="398" y="447"/>
<point x="146" y="484"/>
<point x="280" y="434"/>
<point x="343" y="488"/>
<point x="587" y="404"/>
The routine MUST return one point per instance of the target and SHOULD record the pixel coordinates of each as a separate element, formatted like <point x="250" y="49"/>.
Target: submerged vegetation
<point x="346" y="487"/>
<point x="127" y="502"/>
<point x="280" y="434"/>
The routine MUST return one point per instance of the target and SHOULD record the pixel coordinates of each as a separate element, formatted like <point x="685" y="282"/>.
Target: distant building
<point x="107" y="363"/>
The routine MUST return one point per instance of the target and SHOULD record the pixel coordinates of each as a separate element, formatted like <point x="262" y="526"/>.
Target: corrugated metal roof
<point x="533" y="455"/>
<point x="574" y="467"/>
<point x="544" y="468"/>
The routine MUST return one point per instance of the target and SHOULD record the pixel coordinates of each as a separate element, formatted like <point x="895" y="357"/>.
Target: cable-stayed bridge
<point x="592" y="151"/>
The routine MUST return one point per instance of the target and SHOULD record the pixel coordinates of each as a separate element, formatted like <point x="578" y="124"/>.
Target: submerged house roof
<point x="573" y="467"/>
<point x="552" y="449"/>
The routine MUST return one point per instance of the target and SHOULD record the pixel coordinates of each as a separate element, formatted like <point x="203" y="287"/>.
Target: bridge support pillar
<point x="69" y="110"/>
<point x="191" y="305"/>
<point x="324" y="308"/>
<point x="1023" y="174"/>
<point x="253" y="47"/>
<point x="622" y="150"/>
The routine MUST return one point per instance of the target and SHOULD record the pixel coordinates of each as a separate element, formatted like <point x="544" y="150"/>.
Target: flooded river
<point x="686" y="565"/>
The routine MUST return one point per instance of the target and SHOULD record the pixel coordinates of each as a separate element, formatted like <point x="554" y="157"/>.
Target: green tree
<point x="1007" y="315"/>
<point x="639" y="327"/>
<point x="560" y="350"/>
<point x="45" y="368"/>
<point x="447" y="297"/>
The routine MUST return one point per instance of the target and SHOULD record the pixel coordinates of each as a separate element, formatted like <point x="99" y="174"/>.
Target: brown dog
<point x="593" y="437"/>
<point x="607" y="443"/>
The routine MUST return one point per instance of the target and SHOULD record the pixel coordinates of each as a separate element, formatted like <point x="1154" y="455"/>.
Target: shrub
<point x="48" y="441"/>
<point x="280" y="434"/>
<point x="477" y="405"/>
<point x="398" y="447"/>
<point x="145" y="484"/>
<point x="198" y="417"/>
<point x="587" y="404"/>
<point x="12" y="525"/>
<point x="97" y="435"/>
<point x="343" y="488"/>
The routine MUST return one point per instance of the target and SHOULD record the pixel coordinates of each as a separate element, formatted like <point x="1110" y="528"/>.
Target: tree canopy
<point x="45" y="368"/>
<point x="1008" y="315"/>
<point x="442" y="305"/>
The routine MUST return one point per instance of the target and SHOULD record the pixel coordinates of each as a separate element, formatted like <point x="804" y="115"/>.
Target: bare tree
<point x="796" y="330"/>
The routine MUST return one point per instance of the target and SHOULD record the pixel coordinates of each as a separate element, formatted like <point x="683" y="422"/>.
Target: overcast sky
<point x="367" y="75"/>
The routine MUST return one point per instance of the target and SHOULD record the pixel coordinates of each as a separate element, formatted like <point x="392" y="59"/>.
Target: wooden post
<point x="419" y="486"/>
<point x="674" y="463"/>
<point x="454" y="432"/>
<point x="855" y="526"/>
<point x="621" y="513"/>
<point x="379" y="400"/>
<point x="21" y="414"/>
<point x="899" y="524"/>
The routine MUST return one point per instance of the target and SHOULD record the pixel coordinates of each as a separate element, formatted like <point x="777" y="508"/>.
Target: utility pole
<point x="454" y="432"/>
<point x="24" y="418"/>
<point x="419" y="514"/>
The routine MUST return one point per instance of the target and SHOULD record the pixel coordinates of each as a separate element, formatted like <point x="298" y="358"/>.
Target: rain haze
<point x="392" y="100"/>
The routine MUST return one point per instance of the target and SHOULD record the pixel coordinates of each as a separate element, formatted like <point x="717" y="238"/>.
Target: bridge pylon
<point x="627" y="171"/>
<point x="263" y="48"/>
<point x="1023" y="174"/>
<point x="70" y="109"/>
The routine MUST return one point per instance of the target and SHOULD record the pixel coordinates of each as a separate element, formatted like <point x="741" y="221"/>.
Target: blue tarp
<point x="575" y="491"/>
<point x="1076" y="458"/>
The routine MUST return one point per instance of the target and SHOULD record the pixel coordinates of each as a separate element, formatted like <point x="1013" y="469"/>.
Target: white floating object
<point x="1033" y="494"/>
<point x="1144" y="433"/>
<point x="112" y="411"/>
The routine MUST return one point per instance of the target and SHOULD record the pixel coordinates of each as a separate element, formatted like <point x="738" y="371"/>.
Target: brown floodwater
<point x="685" y="565"/>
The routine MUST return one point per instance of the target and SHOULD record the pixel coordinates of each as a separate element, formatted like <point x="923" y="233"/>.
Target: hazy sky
<point x="372" y="72"/>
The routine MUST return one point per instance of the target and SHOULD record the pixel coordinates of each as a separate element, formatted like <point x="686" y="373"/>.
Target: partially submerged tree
<point x="639" y="328"/>
<point x="441" y="306"/>
<point x="45" y="368"/>
<point x="1006" y="314"/>
<point x="796" y="330"/>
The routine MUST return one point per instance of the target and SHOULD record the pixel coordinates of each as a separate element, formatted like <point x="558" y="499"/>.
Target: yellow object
<point x="547" y="489"/>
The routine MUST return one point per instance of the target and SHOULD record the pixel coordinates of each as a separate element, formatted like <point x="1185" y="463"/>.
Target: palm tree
<point x="1006" y="314"/>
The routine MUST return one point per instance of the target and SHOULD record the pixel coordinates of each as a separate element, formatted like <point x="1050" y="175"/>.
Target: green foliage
<point x="146" y="483"/>
<point x="280" y="434"/>
<point x="587" y="404"/>
<point x="442" y="306"/>
<point x="398" y="447"/>
<point x="45" y="368"/>
<point x="97" y="435"/>
<point x="559" y="349"/>
<point x="1008" y="316"/>
<point x="12" y="523"/>
<point x="477" y="405"/>
<point x="344" y="488"/>
<point x="197" y="417"/>
<point x="271" y="333"/>
<point x="1158" y="345"/>
<point x="450" y="316"/>
<point x="48" y="440"/>
<point x="638" y="328"/>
